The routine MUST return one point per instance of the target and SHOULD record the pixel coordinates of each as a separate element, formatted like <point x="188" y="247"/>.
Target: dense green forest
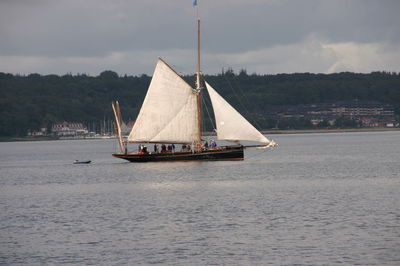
<point x="27" y="102"/>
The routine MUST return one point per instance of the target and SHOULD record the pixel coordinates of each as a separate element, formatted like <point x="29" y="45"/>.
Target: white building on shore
<point x="69" y="129"/>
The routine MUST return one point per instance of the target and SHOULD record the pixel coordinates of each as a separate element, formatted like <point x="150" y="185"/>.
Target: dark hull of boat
<point x="82" y="162"/>
<point x="226" y="153"/>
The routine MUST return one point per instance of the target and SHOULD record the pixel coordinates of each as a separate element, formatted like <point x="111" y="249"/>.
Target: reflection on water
<point x="316" y="199"/>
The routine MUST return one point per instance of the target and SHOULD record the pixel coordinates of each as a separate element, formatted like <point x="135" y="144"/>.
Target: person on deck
<point x="155" y="148"/>
<point x="206" y="145"/>
<point x="213" y="144"/>
<point x="192" y="147"/>
<point x="144" y="149"/>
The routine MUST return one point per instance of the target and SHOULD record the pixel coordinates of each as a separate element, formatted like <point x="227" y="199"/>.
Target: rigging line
<point x="240" y="102"/>
<point x="208" y="113"/>
<point x="238" y="98"/>
<point x="247" y="102"/>
<point x="234" y="92"/>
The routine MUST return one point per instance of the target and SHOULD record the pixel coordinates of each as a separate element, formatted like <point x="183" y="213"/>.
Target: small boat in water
<point x="82" y="162"/>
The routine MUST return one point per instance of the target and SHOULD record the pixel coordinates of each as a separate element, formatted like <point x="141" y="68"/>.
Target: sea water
<point x="316" y="199"/>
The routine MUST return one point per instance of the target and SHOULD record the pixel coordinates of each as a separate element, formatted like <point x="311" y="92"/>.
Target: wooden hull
<point x="229" y="153"/>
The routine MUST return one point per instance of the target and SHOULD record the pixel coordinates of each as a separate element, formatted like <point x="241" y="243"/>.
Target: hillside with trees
<point x="27" y="102"/>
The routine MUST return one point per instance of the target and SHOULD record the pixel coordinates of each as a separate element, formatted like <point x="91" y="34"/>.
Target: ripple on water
<point x="317" y="199"/>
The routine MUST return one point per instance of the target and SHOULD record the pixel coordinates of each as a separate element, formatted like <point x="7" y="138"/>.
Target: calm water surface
<point x="317" y="199"/>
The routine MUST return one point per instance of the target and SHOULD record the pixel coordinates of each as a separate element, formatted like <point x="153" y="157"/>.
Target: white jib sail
<point x="231" y="125"/>
<point x="169" y="110"/>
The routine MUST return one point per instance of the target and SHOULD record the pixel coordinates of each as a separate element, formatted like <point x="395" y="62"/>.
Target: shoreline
<point x="266" y="132"/>
<point x="47" y="138"/>
<point x="332" y="130"/>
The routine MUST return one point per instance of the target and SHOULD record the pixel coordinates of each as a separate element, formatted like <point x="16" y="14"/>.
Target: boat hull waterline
<point x="222" y="154"/>
<point x="82" y="162"/>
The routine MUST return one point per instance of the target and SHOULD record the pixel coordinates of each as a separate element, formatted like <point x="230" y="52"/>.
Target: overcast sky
<point x="261" y="36"/>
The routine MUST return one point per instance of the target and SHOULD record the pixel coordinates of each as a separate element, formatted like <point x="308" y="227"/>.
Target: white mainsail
<point x="169" y="110"/>
<point x="231" y="125"/>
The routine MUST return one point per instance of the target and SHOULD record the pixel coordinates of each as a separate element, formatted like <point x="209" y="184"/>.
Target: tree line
<point x="29" y="101"/>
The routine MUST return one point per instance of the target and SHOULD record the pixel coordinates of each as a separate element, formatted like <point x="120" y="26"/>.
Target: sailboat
<point x="171" y="114"/>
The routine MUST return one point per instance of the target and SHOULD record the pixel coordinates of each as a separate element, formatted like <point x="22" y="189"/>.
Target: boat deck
<point x="220" y="153"/>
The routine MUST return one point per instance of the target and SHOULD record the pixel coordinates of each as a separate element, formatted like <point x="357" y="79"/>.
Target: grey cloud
<point x="286" y="22"/>
<point x="89" y="34"/>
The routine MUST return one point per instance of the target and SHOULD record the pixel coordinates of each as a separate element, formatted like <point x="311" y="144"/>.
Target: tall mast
<point x="198" y="86"/>
<point x="198" y="83"/>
